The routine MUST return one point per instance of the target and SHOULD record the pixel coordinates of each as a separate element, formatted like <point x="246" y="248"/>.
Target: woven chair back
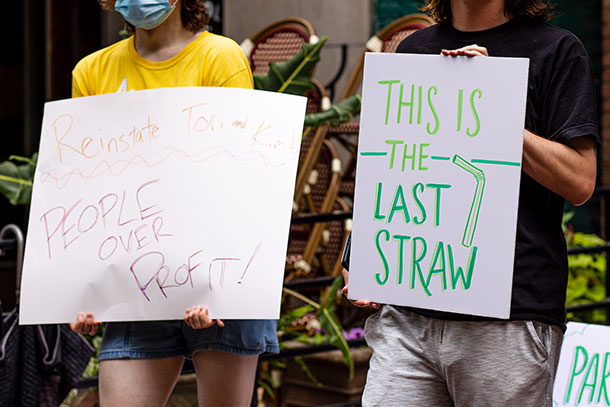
<point x="277" y="42"/>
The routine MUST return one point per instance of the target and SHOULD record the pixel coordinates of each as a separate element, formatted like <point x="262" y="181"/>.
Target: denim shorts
<point x="162" y="339"/>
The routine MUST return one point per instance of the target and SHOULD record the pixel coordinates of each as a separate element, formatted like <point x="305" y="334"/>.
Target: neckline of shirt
<point x="138" y="59"/>
<point x="468" y="36"/>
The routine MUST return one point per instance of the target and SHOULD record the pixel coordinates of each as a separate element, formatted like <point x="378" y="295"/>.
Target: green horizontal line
<point x="436" y="157"/>
<point x="374" y="153"/>
<point x="511" y="163"/>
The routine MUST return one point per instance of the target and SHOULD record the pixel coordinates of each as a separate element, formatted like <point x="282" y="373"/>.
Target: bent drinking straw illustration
<point x="477" y="200"/>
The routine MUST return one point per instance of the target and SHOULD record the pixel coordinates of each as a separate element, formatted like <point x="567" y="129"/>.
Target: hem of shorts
<point x="129" y="354"/>
<point x="236" y="350"/>
<point x="109" y="355"/>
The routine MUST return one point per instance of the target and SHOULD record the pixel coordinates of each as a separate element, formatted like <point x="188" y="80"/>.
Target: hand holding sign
<point x="473" y="50"/>
<point x="357" y="303"/>
<point x="85" y="324"/>
<point x="197" y="318"/>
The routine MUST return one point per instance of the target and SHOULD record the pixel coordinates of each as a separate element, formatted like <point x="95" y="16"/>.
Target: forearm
<point x="567" y="170"/>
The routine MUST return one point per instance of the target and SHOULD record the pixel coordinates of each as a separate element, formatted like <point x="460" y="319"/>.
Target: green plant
<point x="93" y="367"/>
<point x="327" y="328"/>
<point x="315" y="322"/>
<point x="16" y="177"/>
<point x="587" y="275"/>
<point x="337" y="114"/>
<point x="294" y="75"/>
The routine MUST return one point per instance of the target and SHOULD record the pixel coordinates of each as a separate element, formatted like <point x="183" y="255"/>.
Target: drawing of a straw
<point x="473" y="216"/>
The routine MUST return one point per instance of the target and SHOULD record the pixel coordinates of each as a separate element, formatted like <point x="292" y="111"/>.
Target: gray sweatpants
<point x="425" y="362"/>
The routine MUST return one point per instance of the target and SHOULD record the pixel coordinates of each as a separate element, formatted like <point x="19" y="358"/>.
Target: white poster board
<point x="583" y="373"/>
<point x="146" y="203"/>
<point x="437" y="183"/>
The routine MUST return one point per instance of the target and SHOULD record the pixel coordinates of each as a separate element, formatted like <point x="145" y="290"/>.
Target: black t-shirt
<point x="560" y="107"/>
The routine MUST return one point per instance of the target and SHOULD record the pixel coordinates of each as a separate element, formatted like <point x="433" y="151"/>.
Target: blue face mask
<point x="145" y="14"/>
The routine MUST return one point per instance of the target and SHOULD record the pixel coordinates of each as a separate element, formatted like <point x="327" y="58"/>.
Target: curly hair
<point x="193" y="13"/>
<point x="540" y="10"/>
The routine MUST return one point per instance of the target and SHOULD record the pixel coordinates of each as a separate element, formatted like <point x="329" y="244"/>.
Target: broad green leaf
<point x="294" y="75"/>
<point x="337" y="114"/>
<point x="581" y="261"/>
<point x="319" y="338"/>
<point x="16" y="179"/>
<point x="288" y="317"/>
<point x="598" y="316"/>
<point x="586" y="240"/>
<point x="304" y="339"/>
<point x="577" y="287"/>
<point x="600" y="263"/>
<point x="596" y="293"/>
<point x="587" y="275"/>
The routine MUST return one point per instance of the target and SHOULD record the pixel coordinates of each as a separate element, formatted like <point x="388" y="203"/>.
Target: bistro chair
<point x="319" y="196"/>
<point x="386" y="40"/>
<point x="311" y="143"/>
<point x="277" y="42"/>
<point x="345" y="136"/>
<point x="333" y="241"/>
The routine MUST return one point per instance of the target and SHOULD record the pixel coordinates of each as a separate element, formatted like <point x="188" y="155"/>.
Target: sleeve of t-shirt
<point x="569" y="102"/>
<point x="79" y="83"/>
<point x="231" y="67"/>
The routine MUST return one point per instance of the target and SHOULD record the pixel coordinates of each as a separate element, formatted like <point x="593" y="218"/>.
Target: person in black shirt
<point x="431" y="358"/>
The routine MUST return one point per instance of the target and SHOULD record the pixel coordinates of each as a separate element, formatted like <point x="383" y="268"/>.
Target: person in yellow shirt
<point x="152" y="59"/>
<point x="140" y="361"/>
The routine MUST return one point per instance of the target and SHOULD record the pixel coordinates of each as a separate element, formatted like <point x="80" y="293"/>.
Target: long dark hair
<point x="540" y="10"/>
<point x="193" y="13"/>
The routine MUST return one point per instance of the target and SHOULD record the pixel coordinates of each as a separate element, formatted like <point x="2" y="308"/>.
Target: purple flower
<point x="354" y="333"/>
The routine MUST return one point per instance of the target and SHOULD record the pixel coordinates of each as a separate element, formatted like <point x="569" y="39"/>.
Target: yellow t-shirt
<point x="210" y="60"/>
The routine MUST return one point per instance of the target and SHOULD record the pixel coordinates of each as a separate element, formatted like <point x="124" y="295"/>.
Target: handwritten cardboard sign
<point x="146" y="203"/>
<point x="583" y="373"/>
<point x="437" y="183"/>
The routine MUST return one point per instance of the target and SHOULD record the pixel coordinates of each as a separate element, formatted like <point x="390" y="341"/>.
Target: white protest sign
<point x="583" y="373"/>
<point x="146" y="203"/>
<point x="437" y="183"/>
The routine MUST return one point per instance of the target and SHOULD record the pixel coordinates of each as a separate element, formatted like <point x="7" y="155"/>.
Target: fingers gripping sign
<point x="85" y="324"/>
<point x="472" y="50"/>
<point x="197" y="318"/>
<point x="357" y="303"/>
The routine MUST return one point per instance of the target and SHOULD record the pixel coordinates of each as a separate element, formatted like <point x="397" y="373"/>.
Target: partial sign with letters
<point x="146" y="203"/>
<point x="583" y="373"/>
<point x="437" y="183"/>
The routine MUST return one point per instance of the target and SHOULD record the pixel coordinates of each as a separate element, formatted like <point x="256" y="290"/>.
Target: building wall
<point x="343" y="21"/>
<point x="387" y="11"/>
